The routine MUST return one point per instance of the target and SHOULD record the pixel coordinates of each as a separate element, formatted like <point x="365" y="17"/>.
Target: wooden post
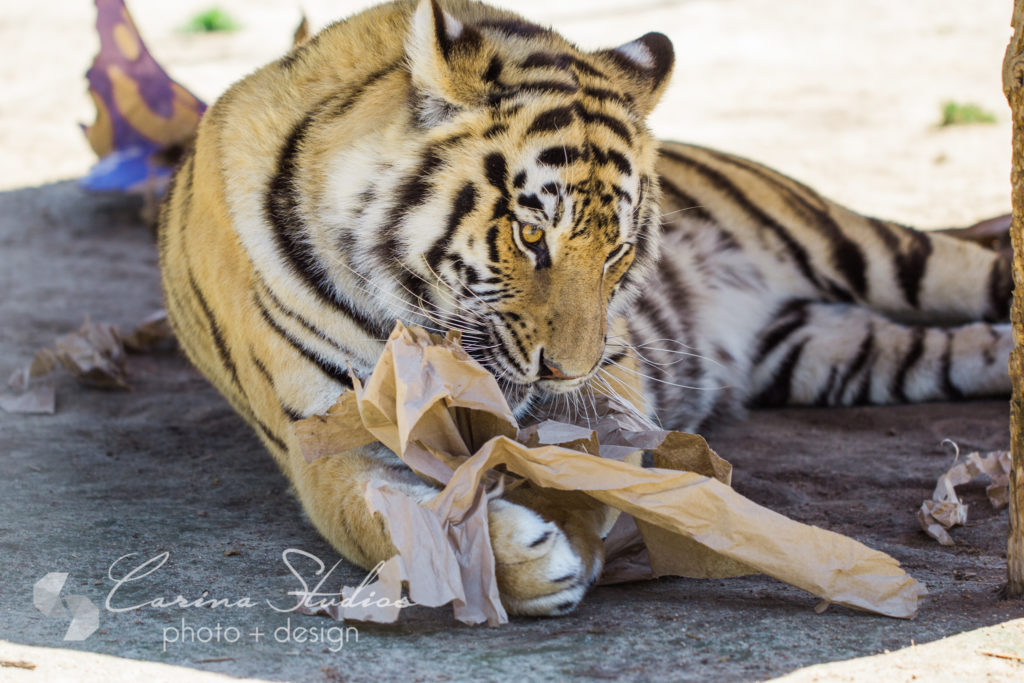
<point x="1013" y="87"/>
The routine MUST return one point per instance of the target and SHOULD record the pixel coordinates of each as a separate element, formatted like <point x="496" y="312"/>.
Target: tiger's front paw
<point x="541" y="571"/>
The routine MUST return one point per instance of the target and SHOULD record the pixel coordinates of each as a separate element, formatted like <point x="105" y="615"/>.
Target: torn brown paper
<point x="425" y="393"/>
<point x="37" y="393"/>
<point x="154" y="333"/>
<point x="94" y="356"/>
<point x="445" y="416"/>
<point x="40" y="399"/>
<point x="944" y="509"/>
<point x="434" y="564"/>
<point x="43" y="363"/>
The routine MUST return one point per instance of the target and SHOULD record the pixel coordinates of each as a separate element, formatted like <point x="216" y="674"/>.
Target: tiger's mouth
<point x="540" y="383"/>
<point x="523" y="393"/>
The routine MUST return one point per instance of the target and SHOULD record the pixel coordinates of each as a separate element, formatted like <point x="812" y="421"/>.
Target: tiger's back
<point x="464" y="168"/>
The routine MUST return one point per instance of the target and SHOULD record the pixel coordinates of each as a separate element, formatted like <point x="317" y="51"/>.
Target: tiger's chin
<point x="535" y="401"/>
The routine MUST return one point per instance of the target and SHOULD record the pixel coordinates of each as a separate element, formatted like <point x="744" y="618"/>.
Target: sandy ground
<point x="842" y="95"/>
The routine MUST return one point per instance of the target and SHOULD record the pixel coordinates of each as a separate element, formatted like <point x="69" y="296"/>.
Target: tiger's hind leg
<point x="930" y="277"/>
<point x="808" y="247"/>
<point x="839" y="354"/>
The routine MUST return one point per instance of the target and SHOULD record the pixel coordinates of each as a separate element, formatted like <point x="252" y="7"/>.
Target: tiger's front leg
<point x="548" y="548"/>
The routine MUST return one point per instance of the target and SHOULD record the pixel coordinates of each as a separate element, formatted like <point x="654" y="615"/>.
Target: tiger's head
<point x="550" y="221"/>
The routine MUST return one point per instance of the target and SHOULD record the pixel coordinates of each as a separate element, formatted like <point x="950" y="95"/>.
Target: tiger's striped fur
<point x="463" y="168"/>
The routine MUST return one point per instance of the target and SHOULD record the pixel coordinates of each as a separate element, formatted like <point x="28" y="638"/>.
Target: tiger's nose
<point x="549" y="370"/>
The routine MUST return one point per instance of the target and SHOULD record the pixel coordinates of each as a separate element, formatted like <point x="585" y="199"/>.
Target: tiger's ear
<point x="442" y="53"/>
<point x="647" y="64"/>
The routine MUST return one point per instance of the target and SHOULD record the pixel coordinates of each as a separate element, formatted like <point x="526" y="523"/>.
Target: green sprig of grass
<point x="212" y="20"/>
<point x="964" y="113"/>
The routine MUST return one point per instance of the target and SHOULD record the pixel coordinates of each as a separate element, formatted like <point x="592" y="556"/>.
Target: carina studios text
<point x="307" y="599"/>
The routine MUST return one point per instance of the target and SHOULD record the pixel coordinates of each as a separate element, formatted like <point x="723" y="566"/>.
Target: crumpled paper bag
<point x="944" y="509"/>
<point x="445" y="416"/>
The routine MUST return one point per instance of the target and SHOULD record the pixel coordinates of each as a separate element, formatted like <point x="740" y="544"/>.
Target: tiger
<point x="455" y="166"/>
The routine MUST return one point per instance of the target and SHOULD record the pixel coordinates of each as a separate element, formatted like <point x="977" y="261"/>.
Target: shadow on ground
<point x="169" y="468"/>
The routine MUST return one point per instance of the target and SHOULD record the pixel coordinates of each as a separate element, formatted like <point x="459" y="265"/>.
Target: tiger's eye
<point x="531" y="234"/>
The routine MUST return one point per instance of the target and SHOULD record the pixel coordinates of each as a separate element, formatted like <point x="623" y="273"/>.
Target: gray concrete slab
<point x="168" y="467"/>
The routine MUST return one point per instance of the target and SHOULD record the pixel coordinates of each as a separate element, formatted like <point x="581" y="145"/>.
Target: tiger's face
<point x="548" y="259"/>
<point x="552" y="216"/>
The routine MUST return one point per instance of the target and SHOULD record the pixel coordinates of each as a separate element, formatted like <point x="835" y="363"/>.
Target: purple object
<point x="141" y="113"/>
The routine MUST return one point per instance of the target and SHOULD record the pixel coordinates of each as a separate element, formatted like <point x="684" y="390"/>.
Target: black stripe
<point x="914" y="353"/>
<point x="911" y="264"/>
<point x="412" y="191"/>
<point x="494" y="68"/>
<point x="778" y="392"/>
<point x="271" y="436"/>
<point x="790" y="318"/>
<point x="177" y="310"/>
<point x="559" y="156"/>
<point x="551" y="120"/>
<point x="323" y="336"/>
<point x="949" y="389"/>
<point x="681" y="308"/>
<point x="282" y="206"/>
<point x="910" y="256"/>
<point x="847" y="257"/>
<point x="514" y="27"/>
<point x="520" y="346"/>
<point x="823" y="396"/>
<point x="661" y="326"/>
<point x="496" y="172"/>
<point x="690" y="207"/>
<point x="863" y="396"/>
<point x="1000" y="287"/>
<point x="603" y="94"/>
<point x="282" y="212"/>
<point x="643" y="234"/>
<point x="185" y="207"/>
<point x="262" y="369"/>
<point x="335" y="372"/>
<point x="563" y="61"/>
<point x="465" y="202"/>
<point x="289" y="412"/>
<point x="610" y="122"/>
<point x="726" y="187"/>
<point x="864" y="351"/>
<point x="679" y="295"/>
<point x="495" y="130"/>
<point x="620" y="162"/>
<point x="531" y="201"/>
<point x="215" y="332"/>
<point x="532" y="87"/>
<point x="501" y="350"/>
<point x="492" y="244"/>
